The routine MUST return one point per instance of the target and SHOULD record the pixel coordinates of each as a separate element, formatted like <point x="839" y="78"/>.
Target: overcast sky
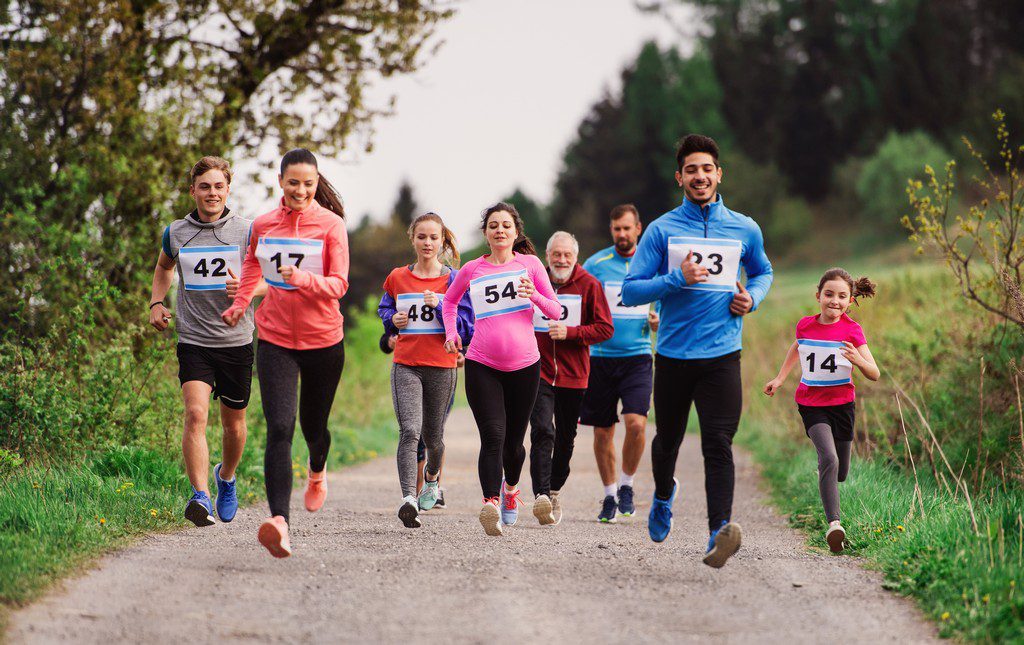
<point x="494" y="109"/>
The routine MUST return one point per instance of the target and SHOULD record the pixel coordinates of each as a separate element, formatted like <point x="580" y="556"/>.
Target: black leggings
<point x="714" y="385"/>
<point x="501" y="404"/>
<point x="551" y="444"/>
<point x="279" y="369"/>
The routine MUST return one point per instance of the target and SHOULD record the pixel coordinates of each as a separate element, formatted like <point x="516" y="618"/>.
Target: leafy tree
<point x="104" y="104"/>
<point x="883" y="179"/>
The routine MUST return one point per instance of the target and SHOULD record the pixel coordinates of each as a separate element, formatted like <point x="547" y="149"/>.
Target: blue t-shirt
<point x="632" y="333"/>
<point x="695" y="319"/>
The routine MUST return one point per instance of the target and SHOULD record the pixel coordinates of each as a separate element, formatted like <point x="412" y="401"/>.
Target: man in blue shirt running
<point x="690" y="260"/>
<point x="620" y="369"/>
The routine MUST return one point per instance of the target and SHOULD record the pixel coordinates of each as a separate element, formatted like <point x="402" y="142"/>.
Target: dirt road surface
<point x="357" y="575"/>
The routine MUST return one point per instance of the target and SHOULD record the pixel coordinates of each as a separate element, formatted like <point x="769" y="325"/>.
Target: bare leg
<point x="633" y="444"/>
<point x="235" y="433"/>
<point x="604" y="452"/>
<point x="193" y="441"/>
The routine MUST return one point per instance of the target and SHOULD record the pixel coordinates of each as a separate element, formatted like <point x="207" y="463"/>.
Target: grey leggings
<point x="833" y="466"/>
<point x="421" y="396"/>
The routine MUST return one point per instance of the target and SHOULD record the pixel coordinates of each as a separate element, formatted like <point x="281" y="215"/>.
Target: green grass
<point x="928" y="340"/>
<point x="58" y="517"/>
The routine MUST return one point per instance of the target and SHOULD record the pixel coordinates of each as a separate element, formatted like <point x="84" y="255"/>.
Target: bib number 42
<point x="219" y="268"/>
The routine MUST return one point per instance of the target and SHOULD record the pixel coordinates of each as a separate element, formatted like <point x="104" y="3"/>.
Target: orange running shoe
<point x="273" y="534"/>
<point x="316" y="490"/>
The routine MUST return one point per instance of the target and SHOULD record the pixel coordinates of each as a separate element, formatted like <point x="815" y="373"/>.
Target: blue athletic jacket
<point x="695" y="320"/>
<point x="632" y="334"/>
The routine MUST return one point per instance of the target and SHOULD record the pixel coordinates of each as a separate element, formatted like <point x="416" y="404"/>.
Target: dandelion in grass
<point x="103" y="521"/>
<point x="945" y="615"/>
<point x="899" y="527"/>
<point x="152" y="512"/>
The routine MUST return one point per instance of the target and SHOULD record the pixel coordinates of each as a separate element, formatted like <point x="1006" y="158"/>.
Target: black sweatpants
<point x="279" y="369"/>
<point x="502" y="403"/>
<point x="551" y="444"/>
<point x="713" y="384"/>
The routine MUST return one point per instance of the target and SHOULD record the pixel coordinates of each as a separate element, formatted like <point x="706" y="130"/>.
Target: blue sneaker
<point x="659" y="522"/>
<point x="607" y="514"/>
<point x="723" y="543"/>
<point x="509" y="505"/>
<point x="227" y="500"/>
<point x="199" y="510"/>
<point x="626" y="506"/>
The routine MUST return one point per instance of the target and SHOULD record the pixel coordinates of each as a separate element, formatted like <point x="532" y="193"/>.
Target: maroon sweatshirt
<point x="566" y="363"/>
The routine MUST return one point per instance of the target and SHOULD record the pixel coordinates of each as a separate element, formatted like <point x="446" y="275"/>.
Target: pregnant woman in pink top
<point x="503" y="362"/>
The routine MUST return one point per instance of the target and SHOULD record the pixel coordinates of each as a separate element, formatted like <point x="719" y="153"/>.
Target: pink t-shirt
<point x="819" y="351"/>
<point x="503" y="333"/>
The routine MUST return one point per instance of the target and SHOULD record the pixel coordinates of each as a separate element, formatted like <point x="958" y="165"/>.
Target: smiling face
<point x="299" y="183"/>
<point x="210" y="191"/>
<point x="699" y="177"/>
<point x="500" y="231"/>
<point x="562" y="258"/>
<point x="834" y="298"/>
<point x="426" y="239"/>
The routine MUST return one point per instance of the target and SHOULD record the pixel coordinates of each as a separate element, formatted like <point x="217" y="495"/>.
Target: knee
<point x="195" y="418"/>
<point x="604" y="436"/>
<point x="635" y="429"/>
<point x="236" y="429"/>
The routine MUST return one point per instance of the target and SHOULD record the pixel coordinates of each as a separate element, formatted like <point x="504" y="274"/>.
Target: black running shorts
<point x="629" y="379"/>
<point x="838" y="417"/>
<point x="228" y="370"/>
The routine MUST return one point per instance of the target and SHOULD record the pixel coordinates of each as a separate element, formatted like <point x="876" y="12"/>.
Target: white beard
<point x="560" y="277"/>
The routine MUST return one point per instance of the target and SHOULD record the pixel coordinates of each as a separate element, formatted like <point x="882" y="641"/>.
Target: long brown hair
<point x="325" y="195"/>
<point x="861" y="287"/>
<point x="449" y="248"/>
<point x="523" y="244"/>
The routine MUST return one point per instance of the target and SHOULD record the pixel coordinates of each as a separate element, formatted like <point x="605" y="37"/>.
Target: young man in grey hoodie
<point x="207" y="247"/>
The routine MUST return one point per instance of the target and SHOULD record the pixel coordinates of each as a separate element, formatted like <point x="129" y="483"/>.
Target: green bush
<point x="882" y="185"/>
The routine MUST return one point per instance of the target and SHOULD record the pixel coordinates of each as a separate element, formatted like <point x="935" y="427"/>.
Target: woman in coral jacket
<point x="301" y="249"/>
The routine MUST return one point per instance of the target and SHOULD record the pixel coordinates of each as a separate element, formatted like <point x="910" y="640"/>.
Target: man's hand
<point x="693" y="272"/>
<point x="741" y="301"/>
<point x="159" y="316"/>
<point x="400" y="320"/>
<point x="557" y="331"/>
<point x="232" y="316"/>
<point x="653" y="320"/>
<point x="231" y="284"/>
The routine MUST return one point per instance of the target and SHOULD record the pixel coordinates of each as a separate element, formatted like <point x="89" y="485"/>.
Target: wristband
<point x="158" y="302"/>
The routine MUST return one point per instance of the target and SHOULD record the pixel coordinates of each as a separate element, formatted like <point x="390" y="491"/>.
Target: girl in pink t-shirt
<point x="828" y="347"/>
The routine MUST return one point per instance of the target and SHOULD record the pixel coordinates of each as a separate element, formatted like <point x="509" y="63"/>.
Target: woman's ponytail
<point x="524" y="245"/>
<point x="863" y="288"/>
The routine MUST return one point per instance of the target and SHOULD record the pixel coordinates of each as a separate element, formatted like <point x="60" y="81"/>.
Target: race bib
<point x="572" y="313"/>
<point x="613" y="292"/>
<point x="823" y="363"/>
<point x="423" y="319"/>
<point x="276" y="252"/>
<point x="497" y="294"/>
<point x="719" y="256"/>
<point x="205" y="268"/>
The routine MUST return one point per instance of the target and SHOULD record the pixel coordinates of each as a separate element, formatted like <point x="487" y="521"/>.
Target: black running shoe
<point x="608" y="506"/>
<point x="626" y="506"/>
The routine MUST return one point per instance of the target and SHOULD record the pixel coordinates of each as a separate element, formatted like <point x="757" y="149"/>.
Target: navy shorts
<point x="629" y="379"/>
<point x="228" y="370"/>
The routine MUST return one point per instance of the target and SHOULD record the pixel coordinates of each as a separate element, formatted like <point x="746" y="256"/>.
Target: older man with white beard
<point x="565" y="368"/>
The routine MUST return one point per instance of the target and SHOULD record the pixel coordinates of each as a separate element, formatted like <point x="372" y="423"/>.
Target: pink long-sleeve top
<point x="503" y="337"/>
<point x="302" y="314"/>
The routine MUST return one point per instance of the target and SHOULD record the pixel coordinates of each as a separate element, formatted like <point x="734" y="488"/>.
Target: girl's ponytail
<point x="328" y="197"/>
<point x="524" y="245"/>
<point x="863" y="288"/>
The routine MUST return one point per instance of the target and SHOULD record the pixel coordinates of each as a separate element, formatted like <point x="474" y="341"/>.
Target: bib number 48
<point x="426" y="313"/>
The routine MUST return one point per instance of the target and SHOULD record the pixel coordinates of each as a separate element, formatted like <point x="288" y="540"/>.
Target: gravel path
<point x="358" y="576"/>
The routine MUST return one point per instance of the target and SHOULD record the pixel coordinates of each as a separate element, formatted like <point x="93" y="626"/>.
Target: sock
<point x="625" y="480"/>
<point x="410" y="499"/>
<point x="609" y="490"/>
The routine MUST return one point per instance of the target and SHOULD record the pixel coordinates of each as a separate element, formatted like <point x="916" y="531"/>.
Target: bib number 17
<point x="298" y="257"/>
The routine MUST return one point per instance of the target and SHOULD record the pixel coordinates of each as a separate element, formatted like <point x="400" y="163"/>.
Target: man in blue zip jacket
<point x="690" y="259"/>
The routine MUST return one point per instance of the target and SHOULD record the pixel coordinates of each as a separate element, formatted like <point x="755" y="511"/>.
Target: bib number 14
<point x="822" y="363"/>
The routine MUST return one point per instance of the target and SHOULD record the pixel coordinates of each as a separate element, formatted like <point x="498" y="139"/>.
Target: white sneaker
<point x="409" y="512"/>
<point x="542" y="510"/>
<point x="490" y="517"/>
<point x="556" y="506"/>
